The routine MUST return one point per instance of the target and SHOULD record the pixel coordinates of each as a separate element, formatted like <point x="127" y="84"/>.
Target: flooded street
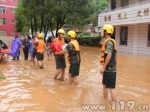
<point x="30" y="89"/>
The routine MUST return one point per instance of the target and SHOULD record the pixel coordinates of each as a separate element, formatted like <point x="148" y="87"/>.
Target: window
<point x="12" y="33"/>
<point x="124" y="35"/>
<point x="12" y="21"/>
<point x="12" y="10"/>
<point x="2" y="0"/>
<point x="2" y="21"/>
<point x="124" y="3"/>
<point x="2" y="9"/>
<point x="2" y="33"/>
<point x="148" y="35"/>
<point x="113" y="4"/>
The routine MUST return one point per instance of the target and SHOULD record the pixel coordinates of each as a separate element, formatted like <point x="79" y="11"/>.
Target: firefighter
<point x="108" y="61"/>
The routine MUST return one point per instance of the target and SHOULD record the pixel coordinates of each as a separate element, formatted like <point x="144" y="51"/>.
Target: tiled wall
<point x="137" y="40"/>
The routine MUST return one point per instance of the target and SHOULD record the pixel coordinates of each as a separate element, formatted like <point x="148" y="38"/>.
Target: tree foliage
<point x="20" y="24"/>
<point x="99" y="5"/>
<point x="48" y="15"/>
<point x="45" y="15"/>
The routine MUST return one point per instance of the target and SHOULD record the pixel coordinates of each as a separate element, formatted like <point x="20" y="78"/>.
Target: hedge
<point x="87" y="40"/>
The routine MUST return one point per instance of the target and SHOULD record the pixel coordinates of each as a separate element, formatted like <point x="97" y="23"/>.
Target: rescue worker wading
<point x="60" y="60"/>
<point x="40" y="50"/>
<point x="108" y="61"/>
<point x="60" y="39"/>
<point x="74" y="59"/>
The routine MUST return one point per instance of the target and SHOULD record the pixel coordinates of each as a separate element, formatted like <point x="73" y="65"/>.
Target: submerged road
<point x="30" y="89"/>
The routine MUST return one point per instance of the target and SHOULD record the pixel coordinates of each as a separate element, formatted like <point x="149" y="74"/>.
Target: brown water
<point x="29" y="89"/>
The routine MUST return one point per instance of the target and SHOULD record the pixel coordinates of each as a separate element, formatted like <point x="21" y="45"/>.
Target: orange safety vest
<point x="41" y="46"/>
<point x="74" y="57"/>
<point x="112" y="61"/>
<point x="60" y="42"/>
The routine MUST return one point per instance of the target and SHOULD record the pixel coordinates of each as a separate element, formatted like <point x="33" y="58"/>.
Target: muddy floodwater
<point x="30" y="89"/>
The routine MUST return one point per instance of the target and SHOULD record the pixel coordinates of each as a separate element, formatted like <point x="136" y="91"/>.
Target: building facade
<point x="7" y="20"/>
<point x="131" y="20"/>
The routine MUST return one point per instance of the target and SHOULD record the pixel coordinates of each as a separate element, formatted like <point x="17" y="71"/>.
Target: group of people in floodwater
<point x="36" y="47"/>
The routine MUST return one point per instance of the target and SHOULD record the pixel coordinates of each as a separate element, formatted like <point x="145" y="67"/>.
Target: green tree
<point x="45" y="15"/>
<point x="99" y="5"/>
<point x="20" y="23"/>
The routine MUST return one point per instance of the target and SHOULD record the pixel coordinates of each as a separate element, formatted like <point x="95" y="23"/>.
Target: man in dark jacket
<point x="25" y="47"/>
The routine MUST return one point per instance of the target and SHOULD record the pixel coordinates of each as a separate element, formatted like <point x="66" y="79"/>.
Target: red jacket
<point x="55" y="47"/>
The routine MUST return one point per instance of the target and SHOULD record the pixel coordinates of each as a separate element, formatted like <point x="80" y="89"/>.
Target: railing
<point x="136" y="3"/>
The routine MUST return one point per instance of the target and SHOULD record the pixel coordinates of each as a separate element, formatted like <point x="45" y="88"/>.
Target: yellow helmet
<point x="40" y="35"/>
<point x="108" y="28"/>
<point x="72" y="34"/>
<point x="61" y="31"/>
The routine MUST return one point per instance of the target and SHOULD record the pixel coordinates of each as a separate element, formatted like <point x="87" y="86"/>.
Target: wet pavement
<point x="29" y="89"/>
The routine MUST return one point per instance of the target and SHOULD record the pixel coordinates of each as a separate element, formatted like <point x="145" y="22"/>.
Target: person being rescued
<point x="54" y="46"/>
<point x="74" y="59"/>
<point x="3" y="45"/>
<point x="3" y="51"/>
